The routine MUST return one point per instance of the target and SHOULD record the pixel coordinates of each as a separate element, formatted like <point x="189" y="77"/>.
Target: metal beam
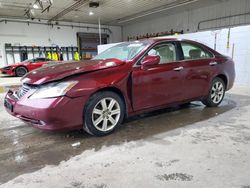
<point x="65" y="11"/>
<point x="62" y="25"/>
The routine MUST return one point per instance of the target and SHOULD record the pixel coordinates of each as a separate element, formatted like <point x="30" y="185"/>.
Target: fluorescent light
<point x="159" y="10"/>
<point x="35" y="6"/>
<point x="91" y="13"/>
<point x="32" y="11"/>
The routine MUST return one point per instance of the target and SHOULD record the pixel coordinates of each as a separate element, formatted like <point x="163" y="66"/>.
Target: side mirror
<point x="149" y="61"/>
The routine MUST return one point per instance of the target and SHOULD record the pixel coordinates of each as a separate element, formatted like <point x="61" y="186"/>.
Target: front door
<point x="161" y="84"/>
<point x="37" y="63"/>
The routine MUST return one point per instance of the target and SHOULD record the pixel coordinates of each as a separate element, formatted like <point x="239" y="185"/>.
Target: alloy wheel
<point x="21" y="71"/>
<point x="106" y="114"/>
<point x="217" y="92"/>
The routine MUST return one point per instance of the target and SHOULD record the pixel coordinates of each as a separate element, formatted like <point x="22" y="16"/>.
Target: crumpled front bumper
<point x="61" y="113"/>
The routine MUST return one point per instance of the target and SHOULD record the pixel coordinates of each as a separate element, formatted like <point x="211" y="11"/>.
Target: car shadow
<point x="6" y="76"/>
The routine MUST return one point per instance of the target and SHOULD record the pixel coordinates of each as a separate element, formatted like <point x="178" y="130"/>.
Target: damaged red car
<point x="127" y="79"/>
<point x="22" y="68"/>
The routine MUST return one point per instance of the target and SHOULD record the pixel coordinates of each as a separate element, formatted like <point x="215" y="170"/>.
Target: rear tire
<point x="21" y="71"/>
<point x="216" y="93"/>
<point x="103" y="113"/>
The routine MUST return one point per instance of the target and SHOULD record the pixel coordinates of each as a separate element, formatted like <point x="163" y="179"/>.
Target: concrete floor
<point x="188" y="146"/>
<point x="6" y="80"/>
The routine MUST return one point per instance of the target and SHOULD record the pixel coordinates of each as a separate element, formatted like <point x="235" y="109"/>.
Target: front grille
<point x="22" y="91"/>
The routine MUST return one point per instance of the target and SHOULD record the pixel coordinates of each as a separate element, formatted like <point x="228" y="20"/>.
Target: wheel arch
<point x="22" y="66"/>
<point x="14" y="70"/>
<point x="114" y="90"/>
<point x="224" y="78"/>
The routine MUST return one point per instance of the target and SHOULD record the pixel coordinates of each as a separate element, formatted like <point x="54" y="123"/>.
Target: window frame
<point x="195" y="45"/>
<point x="178" y="53"/>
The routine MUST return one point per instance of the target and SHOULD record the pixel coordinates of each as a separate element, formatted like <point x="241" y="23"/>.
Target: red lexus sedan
<point x="20" y="69"/>
<point x="127" y="79"/>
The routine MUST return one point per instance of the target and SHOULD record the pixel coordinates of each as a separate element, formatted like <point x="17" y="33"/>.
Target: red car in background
<point x="127" y="79"/>
<point x="20" y="69"/>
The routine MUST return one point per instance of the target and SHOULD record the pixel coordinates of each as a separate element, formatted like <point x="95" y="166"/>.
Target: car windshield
<point x="123" y="51"/>
<point x="27" y="61"/>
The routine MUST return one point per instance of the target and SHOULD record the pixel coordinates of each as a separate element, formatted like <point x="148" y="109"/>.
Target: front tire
<point x="216" y="93"/>
<point x="21" y="71"/>
<point x="103" y="113"/>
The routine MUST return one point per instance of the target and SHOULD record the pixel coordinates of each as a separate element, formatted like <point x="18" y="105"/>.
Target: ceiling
<point x="115" y="12"/>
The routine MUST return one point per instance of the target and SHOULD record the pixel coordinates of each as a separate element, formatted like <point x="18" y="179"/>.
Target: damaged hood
<point x="65" y="69"/>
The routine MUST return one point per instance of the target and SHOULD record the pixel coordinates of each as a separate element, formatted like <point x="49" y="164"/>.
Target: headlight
<point x="7" y="68"/>
<point x="53" y="90"/>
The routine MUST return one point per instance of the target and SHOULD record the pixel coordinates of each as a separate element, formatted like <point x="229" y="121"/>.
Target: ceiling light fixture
<point x="32" y="12"/>
<point x="159" y="10"/>
<point x="35" y="6"/>
<point x="91" y="13"/>
<point x="94" y="4"/>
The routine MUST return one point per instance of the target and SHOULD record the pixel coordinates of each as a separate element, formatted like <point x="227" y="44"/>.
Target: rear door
<point x="160" y="84"/>
<point x="198" y="68"/>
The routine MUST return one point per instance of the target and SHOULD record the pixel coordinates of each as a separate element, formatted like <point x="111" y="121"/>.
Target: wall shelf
<point x="16" y="54"/>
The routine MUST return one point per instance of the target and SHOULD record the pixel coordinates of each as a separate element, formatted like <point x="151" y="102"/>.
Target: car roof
<point x="162" y="39"/>
<point x="158" y="39"/>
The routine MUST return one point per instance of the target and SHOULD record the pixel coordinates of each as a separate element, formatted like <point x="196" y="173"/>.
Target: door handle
<point x="213" y="63"/>
<point x="178" y="69"/>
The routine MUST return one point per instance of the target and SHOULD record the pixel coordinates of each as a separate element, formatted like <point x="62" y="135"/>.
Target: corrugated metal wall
<point x="222" y="14"/>
<point x="199" y="23"/>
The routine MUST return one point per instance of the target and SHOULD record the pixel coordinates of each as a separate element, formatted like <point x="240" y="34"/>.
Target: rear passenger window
<point x="191" y="51"/>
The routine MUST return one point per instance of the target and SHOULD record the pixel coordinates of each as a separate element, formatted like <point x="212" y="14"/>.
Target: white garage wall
<point x="42" y="35"/>
<point x="188" y="19"/>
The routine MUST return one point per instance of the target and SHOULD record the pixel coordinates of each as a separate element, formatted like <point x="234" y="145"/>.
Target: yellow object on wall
<point x="49" y="55"/>
<point x="54" y="56"/>
<point x="76" y="56"/>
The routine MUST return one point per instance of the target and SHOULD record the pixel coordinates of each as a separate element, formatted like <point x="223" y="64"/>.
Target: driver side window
<point x="167" y="53"/>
